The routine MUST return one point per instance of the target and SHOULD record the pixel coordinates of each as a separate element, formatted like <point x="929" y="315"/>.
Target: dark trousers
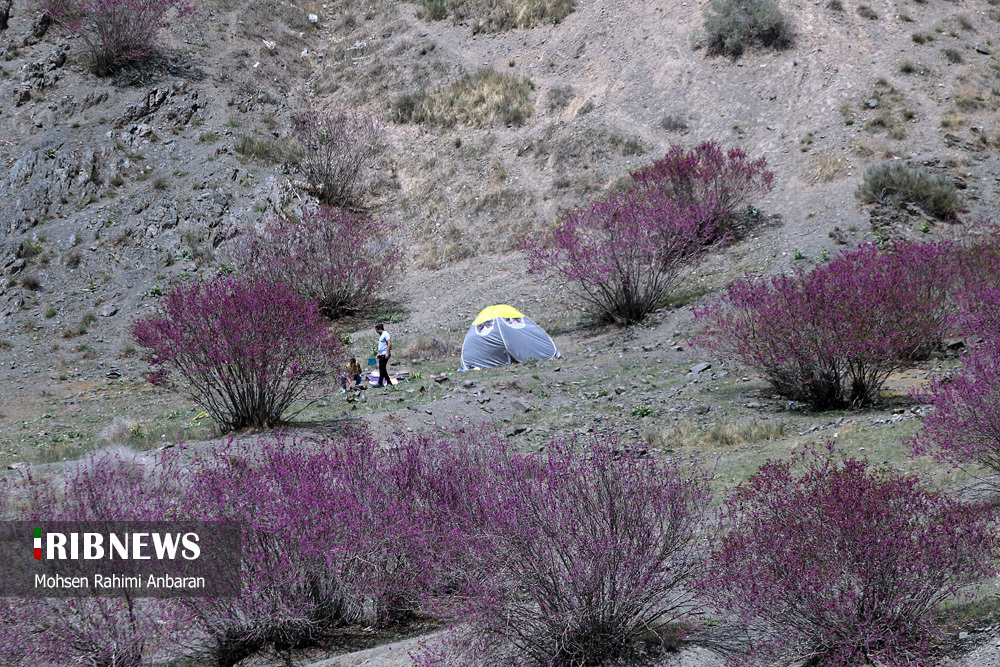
<point x="383" y="374"/>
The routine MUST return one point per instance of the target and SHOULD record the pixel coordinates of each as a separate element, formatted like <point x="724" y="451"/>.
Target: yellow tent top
<point x="493" y="312"/>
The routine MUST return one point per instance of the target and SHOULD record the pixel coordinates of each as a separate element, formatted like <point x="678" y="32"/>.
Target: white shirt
<point x="383" y="343"/>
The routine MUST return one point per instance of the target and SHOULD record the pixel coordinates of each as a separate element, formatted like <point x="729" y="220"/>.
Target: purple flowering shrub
<point x="577" y="553"/>
<point x="335" y="151"/>
<point x="125" y="630"/>
<point x="328" y="540"/>
<point x="841" y="563"/>
<point x="116" y="32"/>
<point x="244" y="351"/>
<point x="965" y="424"/>
<point x="707" y="173"/>
<point x="624" y="254"/>
<point x="833" y="335"/>
<point x="341" y="259"/>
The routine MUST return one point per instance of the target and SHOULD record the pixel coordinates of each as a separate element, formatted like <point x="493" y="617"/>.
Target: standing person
<point x="384" y="352"/>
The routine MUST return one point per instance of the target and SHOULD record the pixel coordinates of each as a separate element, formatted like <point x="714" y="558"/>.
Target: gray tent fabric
<point x="505" y="340"/>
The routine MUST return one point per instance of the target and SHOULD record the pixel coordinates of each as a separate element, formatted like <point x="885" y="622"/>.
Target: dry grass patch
<point x="827" y="167"/>
<point x="868" y="149"/>
<point x="497" y="15"/>
<point x="121" y="429"/>
<point x="482" y="99"/>
<point x="720" y="434"/>
<point x="432" y="347"/>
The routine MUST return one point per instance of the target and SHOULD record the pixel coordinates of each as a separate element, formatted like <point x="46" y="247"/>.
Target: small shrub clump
<point x="896" y="183"/>
<point x="244" y="351"/>
<point x="844" y="562"/>
<point x="624" y="254"/>
<point x="482" y="99"/>
<point x="341" y="259"/>
<point x="831" y="336"/>
<point x="116" y="32"/>
<point x="734" y="25"/>
<point x="497" y="15"/>
<point x="334" y="151"/>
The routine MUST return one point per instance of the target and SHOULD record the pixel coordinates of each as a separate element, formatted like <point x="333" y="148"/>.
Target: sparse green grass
<point x="723" y="433"/>
<point x="482" y="99"/>
<point x="259" y="147"/>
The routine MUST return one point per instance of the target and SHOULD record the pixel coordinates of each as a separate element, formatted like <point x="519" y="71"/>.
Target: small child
<point x="353" y="373"/>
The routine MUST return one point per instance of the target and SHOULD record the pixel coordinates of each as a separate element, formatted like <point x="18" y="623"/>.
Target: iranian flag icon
<point x="38" y="543"/>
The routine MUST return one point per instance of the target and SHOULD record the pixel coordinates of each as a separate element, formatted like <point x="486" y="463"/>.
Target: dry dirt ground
<point x="111" y="190"/>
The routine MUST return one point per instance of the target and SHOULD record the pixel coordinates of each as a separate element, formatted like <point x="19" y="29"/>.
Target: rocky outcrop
<point x="43" y="181"/>
<point x="40" y="74"/>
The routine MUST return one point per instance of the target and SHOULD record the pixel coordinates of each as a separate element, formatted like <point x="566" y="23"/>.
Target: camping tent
<point x="502" y="335"/>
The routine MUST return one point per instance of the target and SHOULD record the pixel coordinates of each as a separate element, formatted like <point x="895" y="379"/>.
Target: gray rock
<point x="441" y="379"/>
<point x="701" y="409"/>
<point x="107" y="310"/>
<point x="873" y="102"/>
<point x="620" y="390"/>
<point x="468" y="384"/>
<point x="521" y="405"/>
<point x="701" y="368"/>
<point x="982" y="49"/>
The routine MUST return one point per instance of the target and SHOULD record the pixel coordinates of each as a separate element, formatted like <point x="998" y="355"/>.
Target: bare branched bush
<point x="335" y="151"/>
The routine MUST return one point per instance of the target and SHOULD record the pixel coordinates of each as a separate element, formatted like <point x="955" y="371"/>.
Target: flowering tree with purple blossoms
<point x="833" y="335"/>
<point x="116" y="32"/>
<point x="341" y="259"/>
<point x="329" y="538"/>
<point x="964" y="427"/>
<point x="244" y="351"/>
<point x="122" y="630"/>
<point x="624" y="254"/>
<point x="579" y="552"/>
<point x="840" y="563"/>
<point x="707" y="173"/>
